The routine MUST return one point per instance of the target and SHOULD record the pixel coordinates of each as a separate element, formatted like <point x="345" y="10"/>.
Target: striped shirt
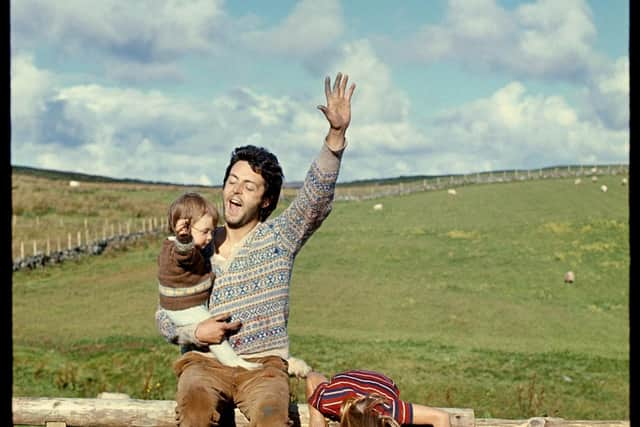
<point x="329" y="396"/>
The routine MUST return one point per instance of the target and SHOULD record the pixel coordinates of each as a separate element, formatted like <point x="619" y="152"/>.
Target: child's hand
<point x="183" y="227"/>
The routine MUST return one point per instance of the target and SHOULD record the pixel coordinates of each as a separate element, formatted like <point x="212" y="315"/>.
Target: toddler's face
<point x="202" y="231"/>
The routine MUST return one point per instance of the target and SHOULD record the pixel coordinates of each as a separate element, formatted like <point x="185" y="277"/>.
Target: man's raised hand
<point x="338" y="108"/>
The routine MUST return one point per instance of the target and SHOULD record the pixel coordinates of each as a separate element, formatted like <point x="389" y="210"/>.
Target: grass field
<point x="460" y="299"/>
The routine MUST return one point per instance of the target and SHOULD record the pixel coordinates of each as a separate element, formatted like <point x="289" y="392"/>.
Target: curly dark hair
<point x="264" y="163"/>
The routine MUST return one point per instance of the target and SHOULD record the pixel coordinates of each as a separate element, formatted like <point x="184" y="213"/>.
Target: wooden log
<point x="550" y="422"/>
<point x="114" y="409"/>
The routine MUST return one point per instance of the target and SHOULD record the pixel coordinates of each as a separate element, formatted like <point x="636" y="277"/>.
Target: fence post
<point x="69" y="241"/>
<point x="58" y="241"/>
<point x="79" y="239"/>
<point x="48" y="247"/>
<point x="112" y="232"/>
<point x="35" y="248"/>
<point x="86" y="236"/>
<point x="128" y="223"/>
<point x="21" y="249"/>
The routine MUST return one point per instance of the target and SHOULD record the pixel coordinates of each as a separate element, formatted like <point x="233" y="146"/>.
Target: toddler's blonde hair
<point x="360" y="412"/>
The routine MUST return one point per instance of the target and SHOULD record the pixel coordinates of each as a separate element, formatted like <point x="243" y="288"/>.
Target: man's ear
<point x="265" y="203"/>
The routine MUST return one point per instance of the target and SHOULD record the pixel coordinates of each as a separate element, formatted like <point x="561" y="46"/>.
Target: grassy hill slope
<point x="460" y="299"/>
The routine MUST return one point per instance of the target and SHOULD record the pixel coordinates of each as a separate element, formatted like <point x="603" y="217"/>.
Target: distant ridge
<point x="77" y="176"/>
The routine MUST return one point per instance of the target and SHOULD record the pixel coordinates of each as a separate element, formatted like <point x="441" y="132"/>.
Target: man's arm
<point x="210" y="331"/>
<point x="314" y="200"/>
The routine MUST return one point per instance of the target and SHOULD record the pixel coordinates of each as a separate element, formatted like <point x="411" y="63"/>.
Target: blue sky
<point x="164" y="89"/>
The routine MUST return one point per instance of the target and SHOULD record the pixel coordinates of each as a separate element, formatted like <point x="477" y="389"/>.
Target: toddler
<point x="185" y="277"/>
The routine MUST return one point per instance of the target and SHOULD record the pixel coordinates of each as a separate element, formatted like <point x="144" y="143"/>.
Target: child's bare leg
<point x="316" y="419"/>
<point x="427" y="415"/>
<point x="225" y="355"/>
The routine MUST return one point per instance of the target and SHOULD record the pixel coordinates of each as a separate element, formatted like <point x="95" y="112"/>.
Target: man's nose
<point x="237" y="188"/>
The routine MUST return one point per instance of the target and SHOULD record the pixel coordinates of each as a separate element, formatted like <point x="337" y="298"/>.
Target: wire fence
<point x="375" y="191"/>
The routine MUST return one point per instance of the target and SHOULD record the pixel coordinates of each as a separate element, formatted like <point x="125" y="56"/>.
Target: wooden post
<point x="79" y="239"/>
<point x="104" y="233"/>
<point x="112" y="232"/>
<point x="86" y="236"/>
<point x="119" y="229"/>
<point x="35" y="248"/>
<point x="48" y="247"/>
<point x="59" y="245"/>
<point x="21" y="249"/>
<point x="69" y="241"/>
<point x="128" y="223"/>
<point x="85" y="223"/>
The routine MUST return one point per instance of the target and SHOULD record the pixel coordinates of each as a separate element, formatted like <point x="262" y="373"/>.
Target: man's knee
<point x="271" y="413"/>
<point x="196" y="407"/>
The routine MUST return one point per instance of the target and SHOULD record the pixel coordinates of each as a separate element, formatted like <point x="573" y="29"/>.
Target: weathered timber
<point x="111" y="412"/>
<point x="550" y="422"/>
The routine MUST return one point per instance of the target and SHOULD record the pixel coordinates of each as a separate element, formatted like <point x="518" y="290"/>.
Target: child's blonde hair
<point x="360" y="412"/>
<point x="191" y="206"/>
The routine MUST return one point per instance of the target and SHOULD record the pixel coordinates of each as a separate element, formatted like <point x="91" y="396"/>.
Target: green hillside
<point x="460" y="299"/>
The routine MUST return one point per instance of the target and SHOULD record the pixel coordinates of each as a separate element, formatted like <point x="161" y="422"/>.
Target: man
<point x="253" y="261"/>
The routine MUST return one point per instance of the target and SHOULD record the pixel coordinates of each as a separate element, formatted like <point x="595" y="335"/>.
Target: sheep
<point x="74" y="184"/>
<point x="623" y="181"/>
<point x="603" y="188"/>
<point x="577" y="181"/>
<point x="452" y="191"/>
<point x="377" y="207"/>
<point x="569" y="277"/>
<point x="594" y="179"/>
<point x="594" y="170"/>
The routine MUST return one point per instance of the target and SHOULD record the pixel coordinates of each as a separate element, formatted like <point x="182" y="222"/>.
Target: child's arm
<point x="427" y="415"/>
<point x="184" y="252"/>
<point x="316" y="419"/>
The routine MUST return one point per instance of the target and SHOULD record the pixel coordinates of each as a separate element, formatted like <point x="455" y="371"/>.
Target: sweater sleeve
<point x="179" y="335"/>
<point x="313" y="202"/>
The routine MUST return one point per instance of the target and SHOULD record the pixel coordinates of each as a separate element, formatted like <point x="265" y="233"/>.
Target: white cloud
<point x="311" y="28"/>
<point x="29" y="87"/>
<point x="607" y="98"/>
<point x="544" y="38"/>
<point x="514" y="129"/>
<point x="140" y="31"/>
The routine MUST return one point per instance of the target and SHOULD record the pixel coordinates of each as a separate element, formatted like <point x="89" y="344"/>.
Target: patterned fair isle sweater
<point x="253" y="283"/>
